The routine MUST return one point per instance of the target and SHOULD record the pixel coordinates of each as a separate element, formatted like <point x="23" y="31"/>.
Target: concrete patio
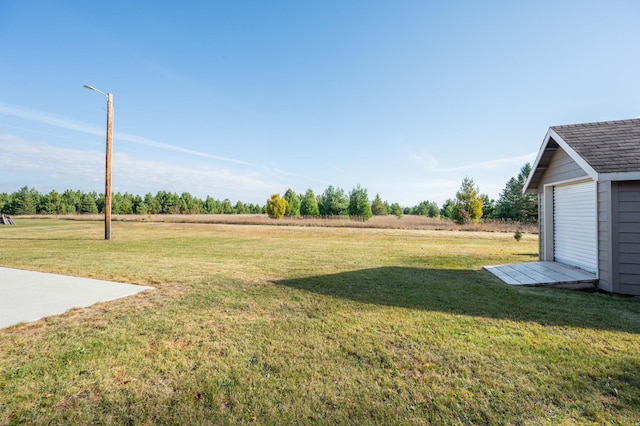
<point x="27" y="296"/>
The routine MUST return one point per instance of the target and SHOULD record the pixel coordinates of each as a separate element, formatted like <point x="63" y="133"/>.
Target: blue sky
<point x="244" y="99"/>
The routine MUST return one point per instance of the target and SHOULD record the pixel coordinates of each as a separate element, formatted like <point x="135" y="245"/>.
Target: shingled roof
<point x="607" y="146"/>
<point x="606" y="150"/>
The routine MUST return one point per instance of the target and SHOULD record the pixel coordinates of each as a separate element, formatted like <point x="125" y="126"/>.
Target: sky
<point x="244" y="99"/>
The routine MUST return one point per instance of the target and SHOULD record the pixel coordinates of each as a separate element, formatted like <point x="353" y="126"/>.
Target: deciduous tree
<point x="276" y="206"/>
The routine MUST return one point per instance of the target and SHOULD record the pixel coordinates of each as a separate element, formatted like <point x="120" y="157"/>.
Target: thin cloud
<point x="78" y="126"/>
<point x="19" y="155"/>
<point x="432" y="164"/>
<point x="129" y="174"/>
<point x="148" y="142"/>
<point x="48" y="118"/>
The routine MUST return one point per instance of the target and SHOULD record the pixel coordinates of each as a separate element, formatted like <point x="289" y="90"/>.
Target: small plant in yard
<point x="517" y="235"/>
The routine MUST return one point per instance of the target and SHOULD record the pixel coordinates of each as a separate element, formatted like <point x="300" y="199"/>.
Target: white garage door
<point x="575" y="235"/>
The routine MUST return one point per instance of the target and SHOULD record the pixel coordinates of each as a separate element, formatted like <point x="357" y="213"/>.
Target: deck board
<point x="542" y="273"/>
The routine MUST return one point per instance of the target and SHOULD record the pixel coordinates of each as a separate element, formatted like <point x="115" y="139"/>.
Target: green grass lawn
<point x="296" y="325"/>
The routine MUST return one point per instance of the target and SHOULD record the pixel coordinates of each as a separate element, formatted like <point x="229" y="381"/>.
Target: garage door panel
<point x="574" y="225"/>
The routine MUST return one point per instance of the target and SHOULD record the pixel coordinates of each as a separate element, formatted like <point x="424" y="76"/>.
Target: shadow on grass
<point x="474" y="293"/>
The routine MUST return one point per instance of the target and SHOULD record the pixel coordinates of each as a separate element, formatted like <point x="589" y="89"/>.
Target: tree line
<point x="468" y="205"/>
<point x="28" y="201"/>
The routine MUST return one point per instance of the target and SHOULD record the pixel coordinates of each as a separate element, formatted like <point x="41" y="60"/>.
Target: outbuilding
<point x="587" y="177"/>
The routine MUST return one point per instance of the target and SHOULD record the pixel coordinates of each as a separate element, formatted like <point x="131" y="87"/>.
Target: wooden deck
<point x="551" y="274"/>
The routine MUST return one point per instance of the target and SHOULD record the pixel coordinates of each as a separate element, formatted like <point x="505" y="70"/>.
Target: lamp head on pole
<point x="86" y="86"/>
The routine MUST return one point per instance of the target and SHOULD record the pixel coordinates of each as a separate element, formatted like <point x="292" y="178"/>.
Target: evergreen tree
<point x="212" y="206"/>
<point x="37" y="200"/>
<point x="88" y="203"/>
<point x="139" y="206"/>
<point x="396" y="210"/>
<point x="425" y="208"/>
<point x="359" y="203"/>
<point x="23" y="202"/>
<point x="422" y="209"/>
<point x="5" y="202"/>
<point x="309" y="204"/>
<point x="515" y="205"/>
<point x="241" y="208"/>
<point x="448" y="210"/>
<point x="153" y="206"/>
<point x="122" y="203"/>
<point x="169" y="202"/>
<point x="334" y="202"/>
<point x="488" y="207"/>
<point x="189" y="204"/>
<point x="52" y="203"/>
<point x="255" y="209"/>
<point x="377" y="207"/>
<point x="434" y="211"/>
<point x="71" y="201"/>
<point x="293" y="203"/>
<point x="468" y="202"/>
<point x="226" y="206"/>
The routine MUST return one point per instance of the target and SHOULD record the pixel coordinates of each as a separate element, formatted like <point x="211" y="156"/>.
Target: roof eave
<point x="551" y="134"/>
<point x="536" y="165"/>
<point x="620" y="176"/>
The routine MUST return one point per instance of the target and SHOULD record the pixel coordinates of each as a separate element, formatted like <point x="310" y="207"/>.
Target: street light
<point x="107" y="178"/>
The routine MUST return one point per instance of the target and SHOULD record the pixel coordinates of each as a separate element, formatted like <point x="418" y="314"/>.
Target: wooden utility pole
<point x="107" y="178"/>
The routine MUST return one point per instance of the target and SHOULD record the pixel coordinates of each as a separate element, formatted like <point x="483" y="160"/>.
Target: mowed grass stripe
<point x="287" y="325"/>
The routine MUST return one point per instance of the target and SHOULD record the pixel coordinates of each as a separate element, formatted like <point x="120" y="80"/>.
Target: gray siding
<point x="561" y="168"/>
<point x="605" y="279"/>
<point x="541" y="226"/>
<point x="627" y="271"/>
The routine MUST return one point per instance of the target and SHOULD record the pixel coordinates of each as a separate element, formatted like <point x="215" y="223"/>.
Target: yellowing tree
<point x="469" y="202"/>
<point x="276" y="206"/>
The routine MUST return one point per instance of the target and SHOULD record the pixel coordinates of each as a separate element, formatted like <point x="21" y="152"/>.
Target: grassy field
<point x="379" y="222"/>
<point x="298" y="325"/>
